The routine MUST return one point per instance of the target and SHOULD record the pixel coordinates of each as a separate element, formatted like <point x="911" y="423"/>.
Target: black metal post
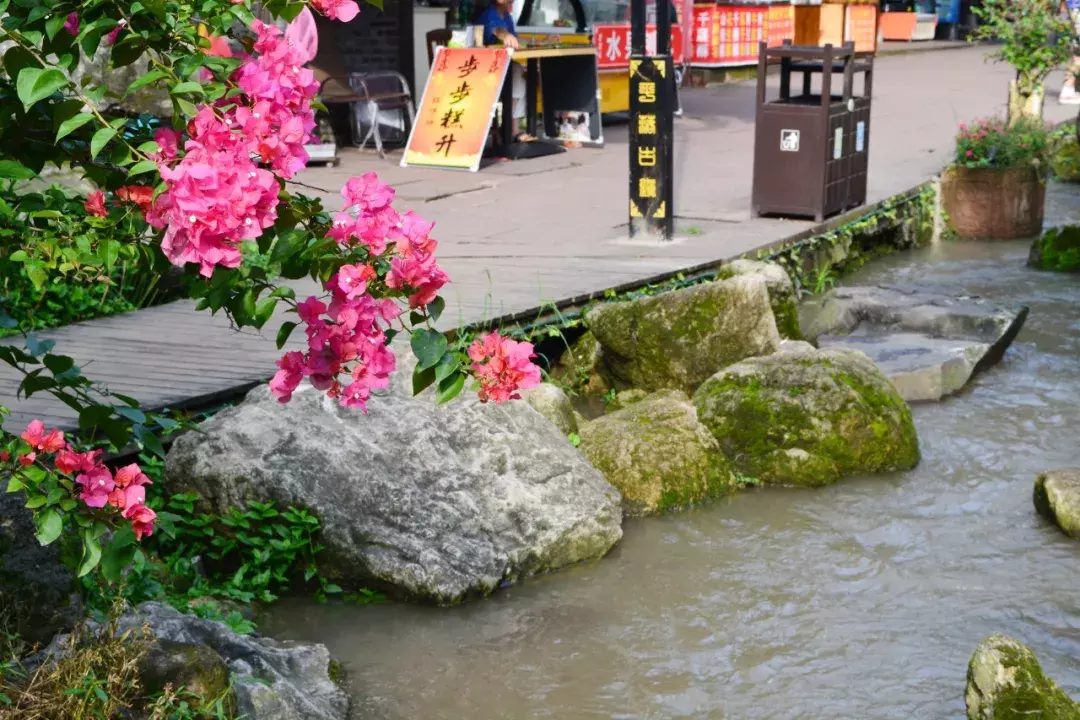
<point x="637" y="27"/>
<point x="652" y="105"/>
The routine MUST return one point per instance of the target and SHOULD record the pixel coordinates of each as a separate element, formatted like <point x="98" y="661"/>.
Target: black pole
<point x="637" y="27"/>
<point x="663" y="26"/>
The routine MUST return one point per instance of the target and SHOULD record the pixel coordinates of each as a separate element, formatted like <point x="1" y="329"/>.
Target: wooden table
<point x="531" y="59"/>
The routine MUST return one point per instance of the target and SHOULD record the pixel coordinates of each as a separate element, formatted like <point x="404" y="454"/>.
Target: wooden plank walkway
<point x="519" y="235"/>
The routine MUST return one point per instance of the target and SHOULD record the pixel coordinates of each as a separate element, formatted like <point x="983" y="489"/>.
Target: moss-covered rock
<point x="785" y="305"/>
<point x="1058" y="249"/>
<point x="1006" y="682"/>
<point x="808" y="417"/>
<point x="1057" y="496"/>
<point x="552" y="403"/>
<point x="626" y="398"/>
<point x="581" y="368"/>
<point x="657" y="454"/>
<point x="196" y="668"/>
<point x="678" y="339"/>
<point x="1065" y="162"/>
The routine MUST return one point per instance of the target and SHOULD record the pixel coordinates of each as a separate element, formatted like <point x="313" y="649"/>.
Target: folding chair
<point x="382" y="94"/>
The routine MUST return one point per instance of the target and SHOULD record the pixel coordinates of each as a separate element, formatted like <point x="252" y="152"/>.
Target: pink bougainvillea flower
<point x="310" y="309"/>
<point x="110" y="39"/>
<point x="126" y="497"/>
<point x="219" y="46"/>
<point x="4" y="456"/>
<point x="95" y="204"/>
<point x="168" y="141"/>
<point x="34" y="433"/>
<point x="290" y="373"/>
<point x="139" y="194"/>
<point x="72" y="23"/>
<point x="96" y="483"/>
<point x="350" y="280"/>
<point x="53" y="442"/>
<point x="27" y="459"/>
<point x="368" y="193"/>
<point x="343" y="10"/>
<point x="503" y="367"/>
<point x="142" y="520"/>
<point x="130" y="475"/>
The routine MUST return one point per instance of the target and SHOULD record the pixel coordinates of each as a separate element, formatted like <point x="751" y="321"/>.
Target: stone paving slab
<point x="518" y="235"/>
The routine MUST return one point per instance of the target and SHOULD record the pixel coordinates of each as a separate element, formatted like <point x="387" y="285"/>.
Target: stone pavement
<point x="516" y="236"/>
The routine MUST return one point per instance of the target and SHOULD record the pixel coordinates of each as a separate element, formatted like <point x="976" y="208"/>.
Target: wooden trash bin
<point x="811" y="149"/>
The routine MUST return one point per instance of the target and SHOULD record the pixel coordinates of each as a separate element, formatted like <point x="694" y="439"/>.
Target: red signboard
<point x="725" y="35"/>
<point x="861" y="27"/>
<point x="781" y="25"/>
<point x="613" y="44"/>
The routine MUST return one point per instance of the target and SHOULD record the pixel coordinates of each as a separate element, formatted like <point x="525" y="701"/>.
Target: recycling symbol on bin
<point x="789" y="140"/>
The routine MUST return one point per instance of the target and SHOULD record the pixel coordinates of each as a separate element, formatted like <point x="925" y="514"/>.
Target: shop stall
<point x="908" y="21"/>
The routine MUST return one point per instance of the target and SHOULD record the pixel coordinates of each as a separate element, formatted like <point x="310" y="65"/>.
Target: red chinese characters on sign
<point x="781" y="25"/>
<point x="727" y="35"/>
<point x="613" y="45"/>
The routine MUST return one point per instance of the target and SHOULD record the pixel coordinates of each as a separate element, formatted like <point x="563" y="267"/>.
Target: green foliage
<point x="1034" y="36"/>
<point x="1058" y="249"/>
<point x="992" y="143"/>
<point x="1065" y="160"/>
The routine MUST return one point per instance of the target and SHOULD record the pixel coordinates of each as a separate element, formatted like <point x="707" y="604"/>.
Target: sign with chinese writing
<point x="652" y="90"/>
<point x="726" y="35"/>
<point x="613" y="44"/>
<point x="456" y="110"/>
<point x="780" y="25"/>
<point x="861" y="27"/>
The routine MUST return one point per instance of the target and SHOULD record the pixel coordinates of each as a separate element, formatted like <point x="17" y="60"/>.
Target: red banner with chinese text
<point x="861" y="27"/>
<point x="613" y="44"/>
<point x="455" y="112"/>
<point x="781" y="25"/>
<point x="726" y="35"/>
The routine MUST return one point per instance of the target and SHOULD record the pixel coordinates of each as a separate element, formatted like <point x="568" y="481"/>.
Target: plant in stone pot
<point x="1035" y="38"/>
<point x="996" y="185"/>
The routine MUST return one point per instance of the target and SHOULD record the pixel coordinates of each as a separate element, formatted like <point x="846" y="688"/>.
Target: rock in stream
<point x="928" y="344"/>
<point x="1006" y="682"/>
<point x="1057" y="497"/>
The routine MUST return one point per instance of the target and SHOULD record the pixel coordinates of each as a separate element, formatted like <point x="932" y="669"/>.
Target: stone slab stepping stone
<point x="927" y="343"/>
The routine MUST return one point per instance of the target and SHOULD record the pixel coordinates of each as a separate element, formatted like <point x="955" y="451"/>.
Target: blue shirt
<point x="493" y="20"/>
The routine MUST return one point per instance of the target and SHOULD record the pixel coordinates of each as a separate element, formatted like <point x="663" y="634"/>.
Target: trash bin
<point x="811" y="149"/>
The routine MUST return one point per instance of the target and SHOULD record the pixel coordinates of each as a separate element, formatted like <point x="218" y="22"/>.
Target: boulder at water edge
<point x="785" y="305"/>
<point x="808" y="417"/>
<point x="435" y="503"/>
<point x="1058" y="249"/>
<point x="551" y="402"/>
<point x="657" y="454"/>
<point x="1057" y="496"/>
<point x="1005" y="682"/>
<point x="678" y="339"/>
<point x="928" y="344"/>
<point x="271" y="680"/>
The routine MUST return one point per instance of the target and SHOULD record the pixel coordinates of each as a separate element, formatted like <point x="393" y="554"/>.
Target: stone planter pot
<point x="993" y="203"/>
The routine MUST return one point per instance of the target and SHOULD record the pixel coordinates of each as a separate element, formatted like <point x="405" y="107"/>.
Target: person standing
<point x="1069" y="95"/>
<point x="498" y="22"/>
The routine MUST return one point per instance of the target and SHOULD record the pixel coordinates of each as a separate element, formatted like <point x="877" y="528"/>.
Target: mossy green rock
<point x="808" y="417"/>
<point x="657" y="454"/>
<point x="1057" y="496"/>
<point x="1005" y="682"/>
<point x="197" y="668"/>
<point x="677" y="339"/>
<point x="1058" y="249"/>
<point x="1065" y="162"/>
<point x="626" y="398"/>
<point x="782" y="296"/>
<point x="581" y="367"/>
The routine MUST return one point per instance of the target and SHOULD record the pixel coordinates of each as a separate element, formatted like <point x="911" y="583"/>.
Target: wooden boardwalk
<point x="516" y="236"/>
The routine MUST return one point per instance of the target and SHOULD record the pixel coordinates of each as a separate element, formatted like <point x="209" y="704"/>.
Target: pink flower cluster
<point x="216" y="194"/>
<point x="343" y="10"/>
<point x="348" y="334"/>
<point x="123" y="490"/>
<point x="503" y="367"/>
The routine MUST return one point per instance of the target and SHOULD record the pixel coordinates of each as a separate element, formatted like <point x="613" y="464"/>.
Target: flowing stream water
<point x="861" y="600"/>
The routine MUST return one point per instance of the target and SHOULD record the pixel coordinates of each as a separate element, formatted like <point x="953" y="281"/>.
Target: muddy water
<point x="863" y="600"/>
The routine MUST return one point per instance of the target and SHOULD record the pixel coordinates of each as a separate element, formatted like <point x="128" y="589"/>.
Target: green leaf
<point x="435" y="308"/>
<point x="58" y="364"/>
<point x="110" y="251"/>
<point x="428" y="346"/>
<point x="117" y="432"/>
<point x="19" y="256"/>
<point x="284" y="292"/>
<point x="448" y="365"/>
<point x="16" y="59"/>
<point x="284" y="332"/>
<point x="150" y="440"/>
<point x="93" y="415"/>
<point x="287" y="244"/>
<point x="72" y="124"/>
<point x="101" y="139"/>
<point x="49" y="526"/>
<point x="133" y="414"/>
<point x="35" y="501"/>
<point x="450" y="388"/>
<point x="37" y="84"/>
<point x="422" y="379"/>
<point x="187" y="88"/>
<point x="141" y="167"/>
<point x="118" y="554"/>
<point x="91" y="553"/>
<point x="11" y="170"/>
<point x="265" y="310"/>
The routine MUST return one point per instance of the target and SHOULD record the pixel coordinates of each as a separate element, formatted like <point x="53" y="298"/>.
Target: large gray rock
<point x="38" y="593"/>
<point x="808" y="417"/>
<point x="928" y="344"/>
<point x="1057" y="497"/>
<point x="1006" y="682"/>
<point x="438" y="503"/>
<point x="551" y="402"/>
<point x="782" y="297"/>
<point x="271" y="680"/>
<point x="657" y="454"/>
<point x="678" y="339"/>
